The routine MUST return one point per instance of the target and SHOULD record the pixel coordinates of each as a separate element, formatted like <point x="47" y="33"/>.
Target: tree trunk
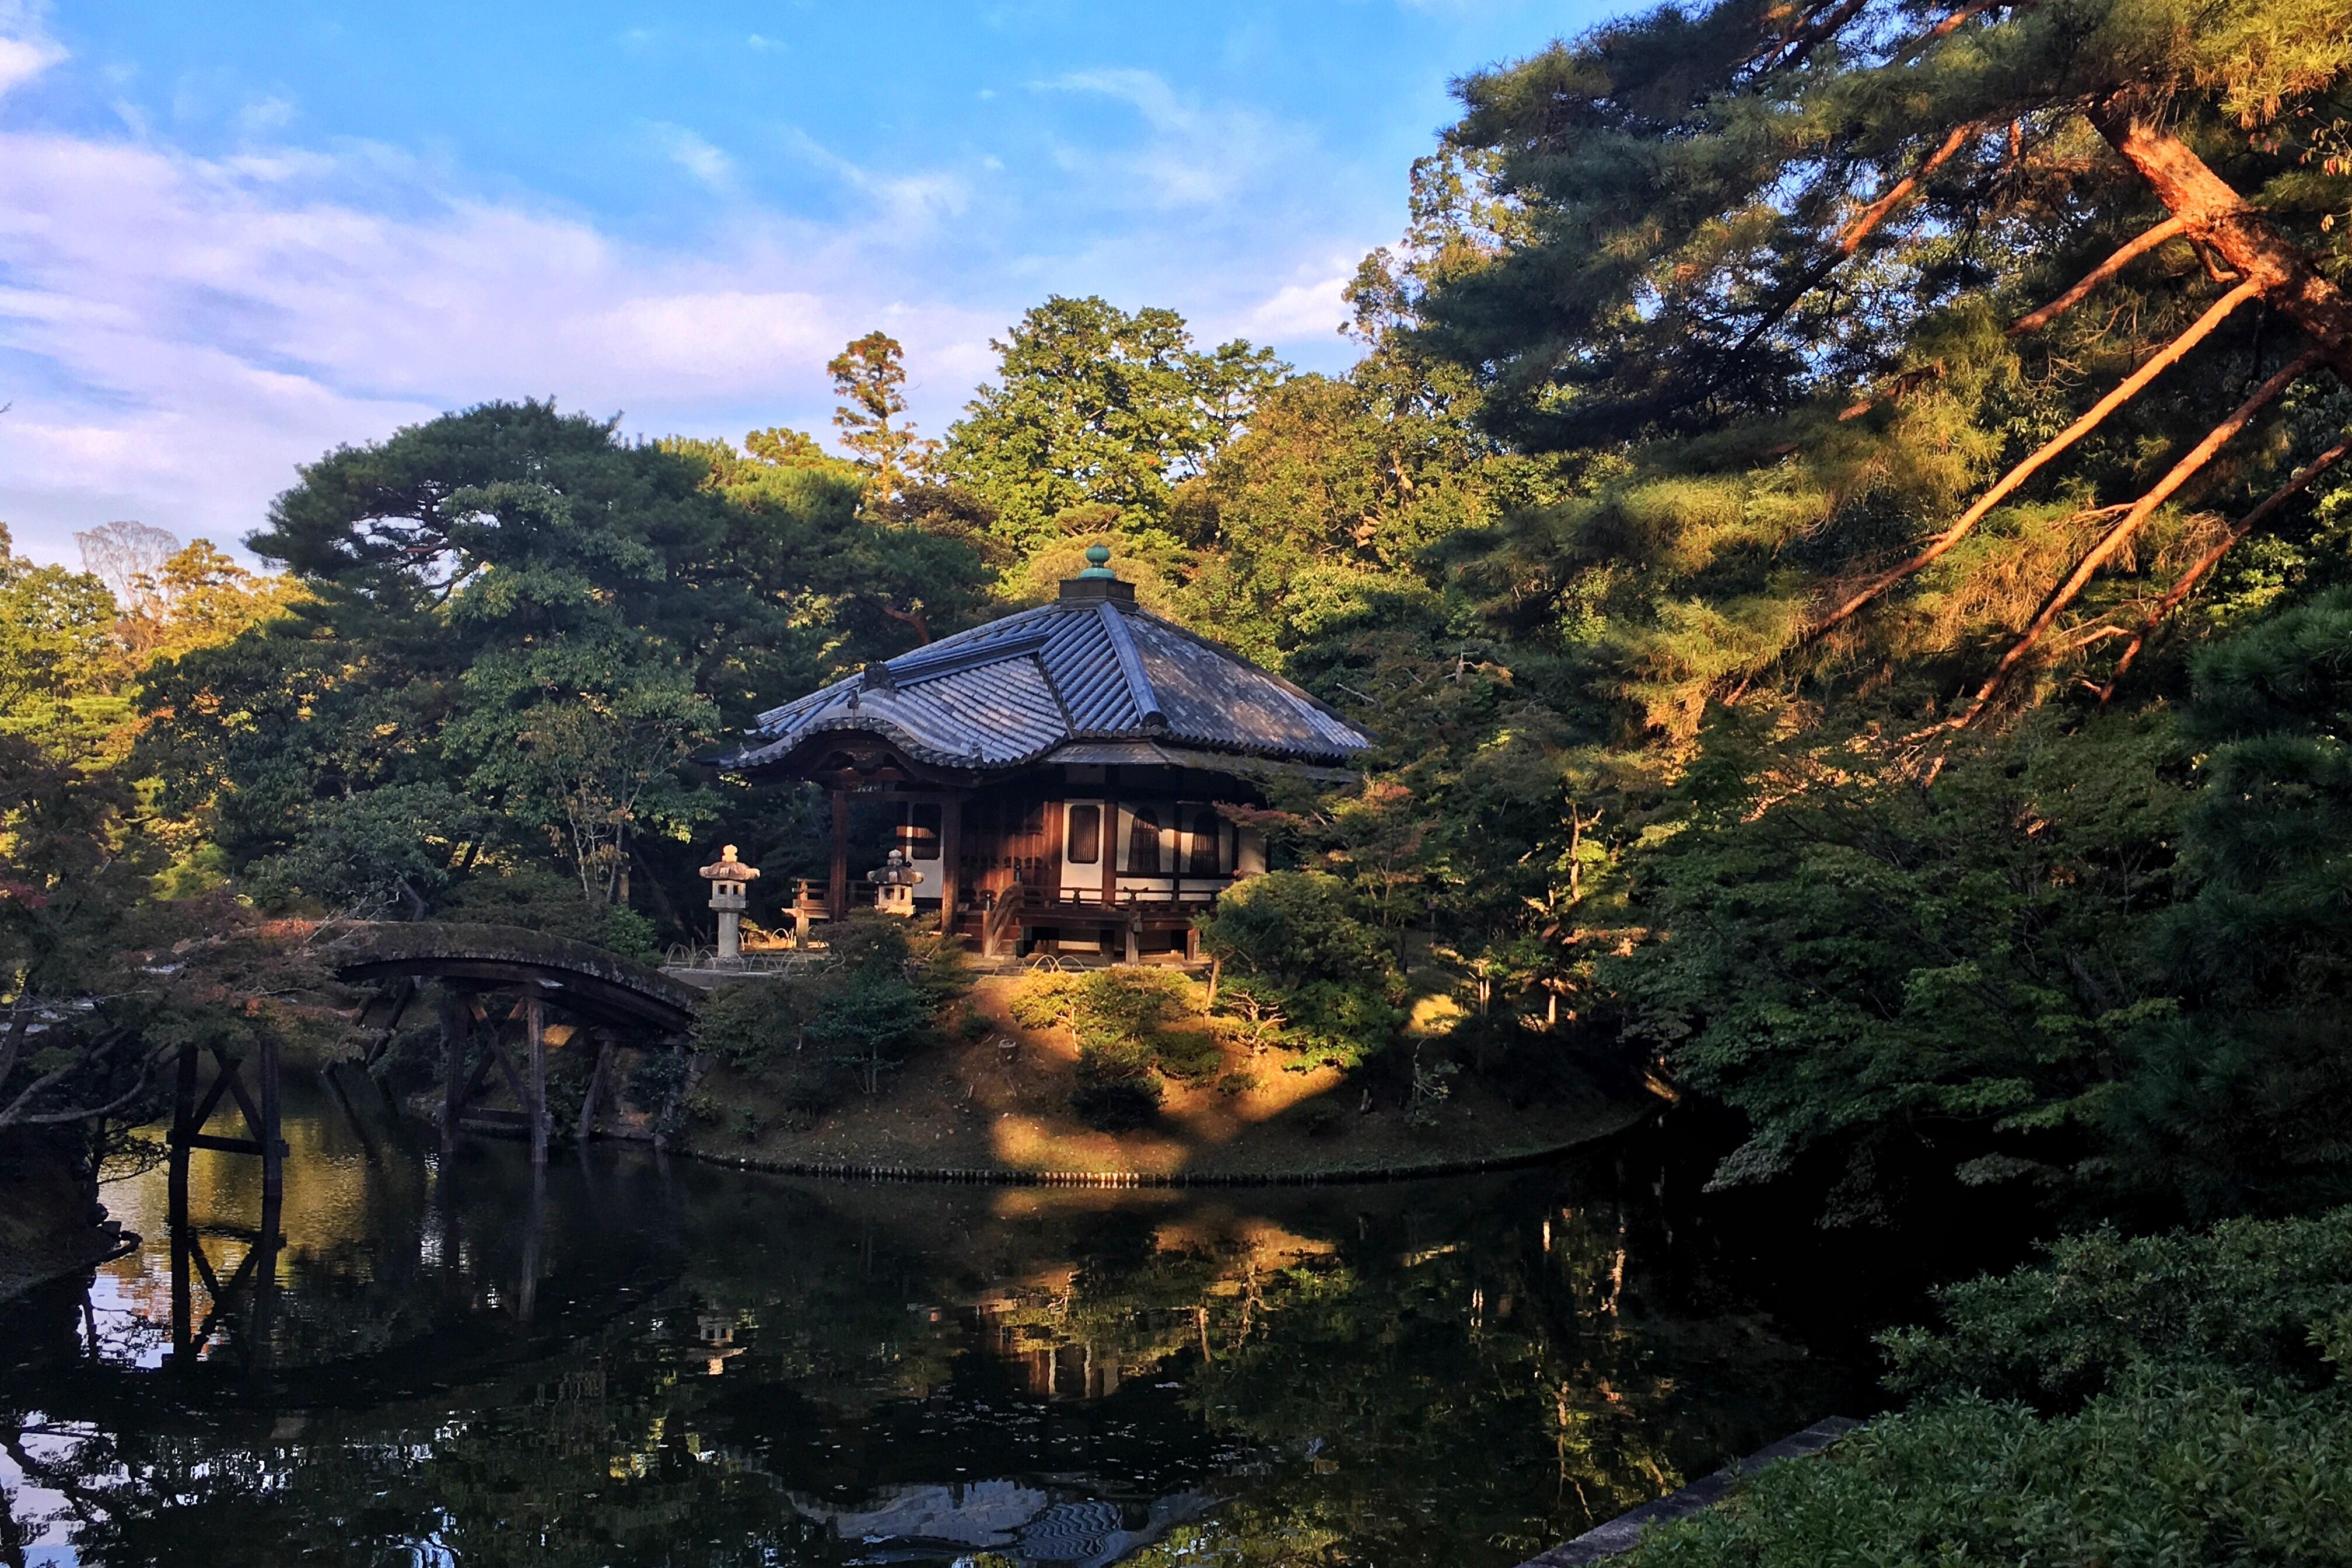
<point x="2215" y="215"/>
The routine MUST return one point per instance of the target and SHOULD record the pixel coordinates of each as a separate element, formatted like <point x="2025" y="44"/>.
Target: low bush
<point x="2255" y="1300"/>
<point x="2191" y="1413"/>
<point x="2154" y="1475"/>
<point x="1117" y="1090"/>
<point x="1145" y="1021"/>
<point x="887" y="990"/>
<point x="655" y="1078"/>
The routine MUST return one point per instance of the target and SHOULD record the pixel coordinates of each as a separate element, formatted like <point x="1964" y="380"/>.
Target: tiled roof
<point x="1085" y="668"/>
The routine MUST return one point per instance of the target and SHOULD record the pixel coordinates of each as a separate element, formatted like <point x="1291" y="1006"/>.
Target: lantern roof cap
<point x="729" y="870"/>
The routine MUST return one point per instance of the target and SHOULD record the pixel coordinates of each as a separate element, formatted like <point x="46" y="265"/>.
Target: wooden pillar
<point x="1110" y="848"/>
<point x="534" y="1023"/>
<point x="184" y="1111"/>
<point x="273" y="1146"/>
<point x="950" y="859"/>
<point x="456" y="1032"/>
<point x="596" y="1090"/>
<point x="836" y="888"/>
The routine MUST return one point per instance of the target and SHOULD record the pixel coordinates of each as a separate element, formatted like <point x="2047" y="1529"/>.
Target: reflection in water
<point x="624" y="1360"/>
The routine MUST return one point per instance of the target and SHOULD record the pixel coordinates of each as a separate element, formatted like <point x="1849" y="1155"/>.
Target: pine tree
<point x="870" y="376"/>
<point x="1906" y="329"/>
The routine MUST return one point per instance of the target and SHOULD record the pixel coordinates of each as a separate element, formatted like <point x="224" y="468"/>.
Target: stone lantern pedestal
<point x="728" y="879"/>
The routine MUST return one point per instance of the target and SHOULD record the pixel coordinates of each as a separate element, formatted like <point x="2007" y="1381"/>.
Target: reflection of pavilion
<point x="919" y="1523"/>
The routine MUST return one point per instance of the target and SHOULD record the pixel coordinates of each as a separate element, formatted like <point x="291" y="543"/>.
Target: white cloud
<point x="1192" y="155"/>
<point x="1301" y="309"/>
<point x="177" y="334"/>
<point x="25" y="48"/>
<point x="909" y="204"/>
<point x="697" y="157"/>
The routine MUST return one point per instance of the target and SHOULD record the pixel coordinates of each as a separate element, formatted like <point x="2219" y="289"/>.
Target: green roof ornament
<point x="1098" y="562"/>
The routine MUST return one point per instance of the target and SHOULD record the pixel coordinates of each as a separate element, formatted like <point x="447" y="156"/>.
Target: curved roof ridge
<point x="1213" y="645"/>
<point x="1012" y="692"/>
<point x="1130" y="666"/>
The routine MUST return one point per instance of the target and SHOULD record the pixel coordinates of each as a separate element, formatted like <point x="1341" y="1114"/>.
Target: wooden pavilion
<point x="1056" y="774"/>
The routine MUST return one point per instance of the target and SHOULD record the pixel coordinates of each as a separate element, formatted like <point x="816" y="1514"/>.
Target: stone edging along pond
<point x="1337" y="1176"/>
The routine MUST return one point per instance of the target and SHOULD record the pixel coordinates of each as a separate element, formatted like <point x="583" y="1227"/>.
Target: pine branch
<point x="1806" y="36"/>
<point x="2213" y="213"/>
<point x="1849" y="238"/>
<point x="1945" y="29"/>
<point x="2008" y="483"/>
<point x="2131" y="252"/>
<point x="2118" y="536"/>
<point x="2187" y="581"/>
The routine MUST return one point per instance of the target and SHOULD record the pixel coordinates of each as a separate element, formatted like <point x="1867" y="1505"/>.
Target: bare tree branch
<point x="2142" y="510"/>
<point x="2008" y="483"/>
<point x="2131" y="252"/>
<point x="2187" y="581"/>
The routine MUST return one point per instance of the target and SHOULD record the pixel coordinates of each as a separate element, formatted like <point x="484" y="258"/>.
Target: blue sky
<point x="235" y="236"/>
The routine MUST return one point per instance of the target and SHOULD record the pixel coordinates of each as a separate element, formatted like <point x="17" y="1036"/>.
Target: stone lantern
<point x="894" y="885"/>
<point x="728" y="881"/>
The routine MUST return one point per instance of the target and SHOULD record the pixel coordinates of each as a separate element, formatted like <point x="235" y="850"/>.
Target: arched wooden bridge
<point x="589" y="982"/>
<point x="471" y="964"/>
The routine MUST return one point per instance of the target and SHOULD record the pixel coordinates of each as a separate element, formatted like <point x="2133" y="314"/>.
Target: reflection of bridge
<point x="601" y="991"/>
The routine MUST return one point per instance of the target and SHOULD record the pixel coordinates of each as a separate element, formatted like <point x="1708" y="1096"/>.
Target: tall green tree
<point x="870" y="378"/>
<point x="514" y="608"/>
<point x="1906" y="329"/>
<point x="1096" y="415"/>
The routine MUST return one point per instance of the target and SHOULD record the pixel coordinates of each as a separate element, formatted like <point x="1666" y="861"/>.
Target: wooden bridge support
<point x="534" y="1024"/>
<point x="464" y="1023"/>
<point x="259" y="1106"/>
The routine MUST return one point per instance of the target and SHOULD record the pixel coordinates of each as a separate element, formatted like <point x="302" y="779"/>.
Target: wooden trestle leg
<point x="534" y="1018"/>
<point x="454" y="1040"/>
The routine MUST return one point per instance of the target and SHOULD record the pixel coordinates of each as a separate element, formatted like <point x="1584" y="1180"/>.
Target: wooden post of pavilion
<point x="1110" y="857"/>
<point x="950" y="857"/>
<point x="184" y="1111"/>
<point x="836" y="888"/>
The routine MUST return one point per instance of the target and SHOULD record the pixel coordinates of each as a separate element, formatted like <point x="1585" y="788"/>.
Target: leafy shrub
<point x="1043" y="1001"/>
<point x="749" y="1023"/>
<point x="863" y="1013"/>
<point x="1241" y="1082"/>
<point x="414" y="1058"/>
<point x="1306" y="972"/>
<point x="2153" y="1474"/>
<point x="1116" y="1089"/>
<point x="974" y="1026"/>
<point x="1297" y="927"/>
<point x="704" y="1107"/>
<point x="1147" y="1015"/>
<point x="654" y="1079"/>
<point x="1322" y="1118"/>
<point x="1192" y="1055"/>
<point x="2246" y="1299"/>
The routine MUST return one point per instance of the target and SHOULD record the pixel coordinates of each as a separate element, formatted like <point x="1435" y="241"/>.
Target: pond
<point x="629" y="1359"/>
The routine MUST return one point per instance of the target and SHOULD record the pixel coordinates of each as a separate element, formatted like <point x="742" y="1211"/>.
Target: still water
<point x="632" y="1359"/>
